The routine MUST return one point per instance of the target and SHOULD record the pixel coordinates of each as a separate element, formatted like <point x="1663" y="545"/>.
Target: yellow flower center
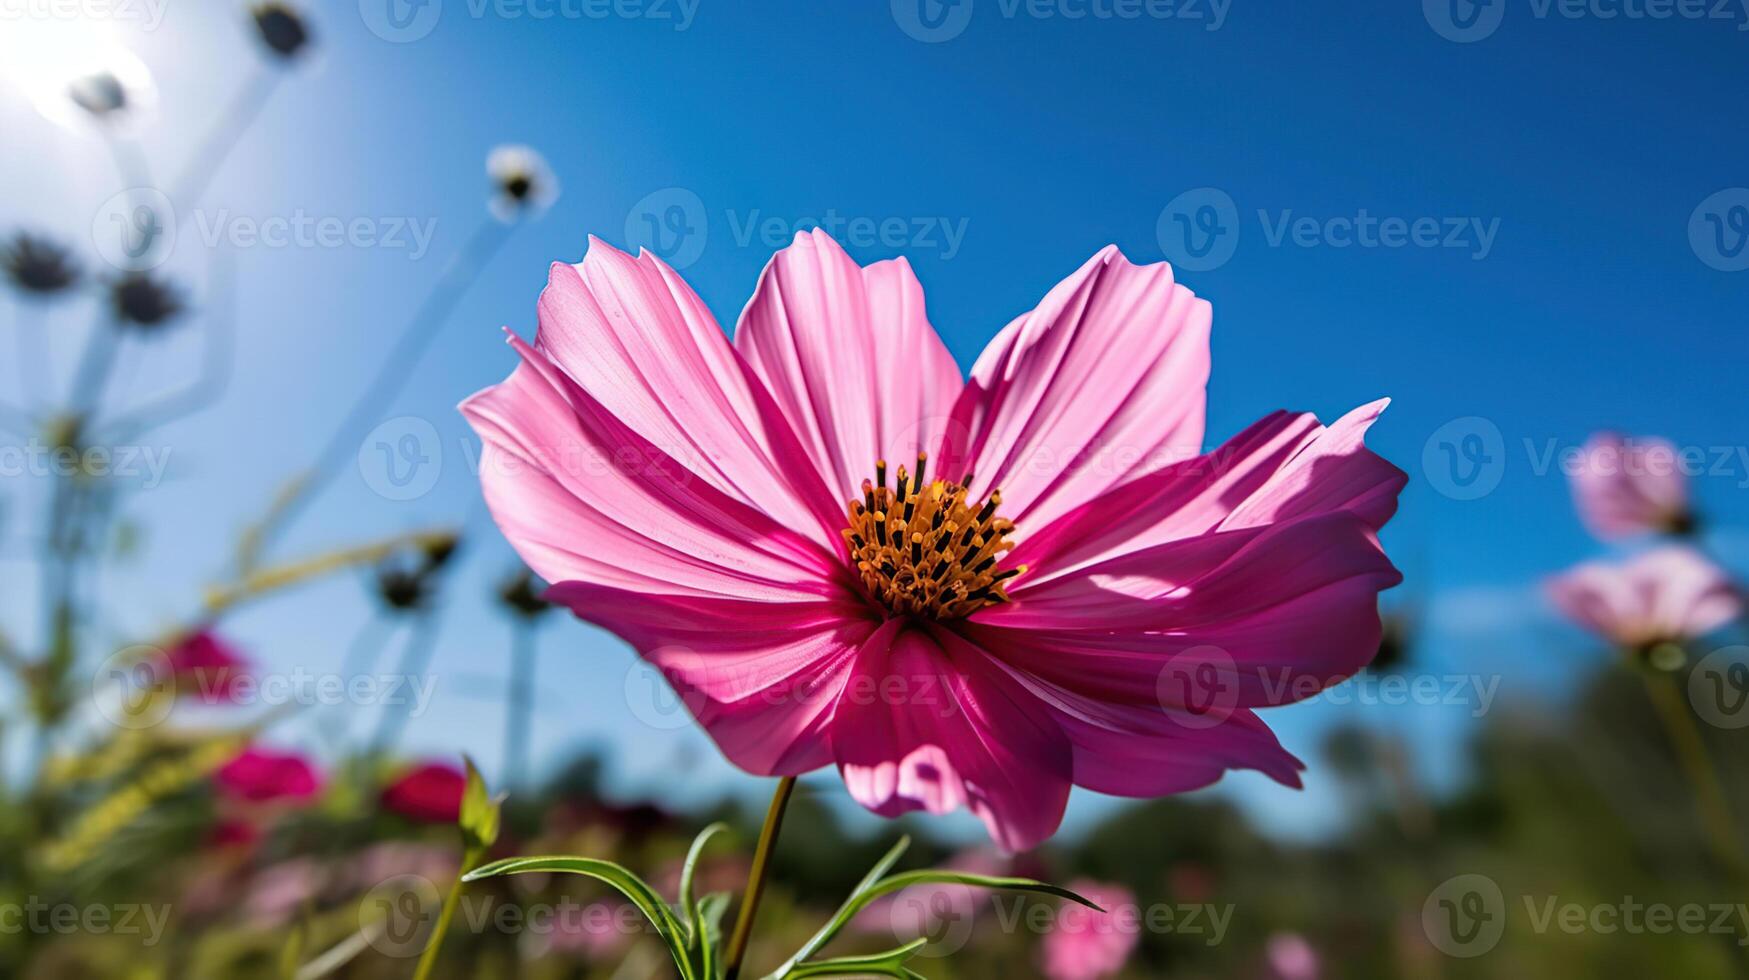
<point x="928" y="549"/>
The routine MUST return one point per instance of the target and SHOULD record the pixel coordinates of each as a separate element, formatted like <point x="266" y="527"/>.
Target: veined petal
<point x="1160" y="749"/>
<point x="639" y="341"/>
<point x="850" y="357"/>
<point x="1282" y="467"/>
<point x="583" y="497"/>
<point x="1104" y="380"/>
<point x="926" y="722"/>
<point x="762" y="678"/>
<point x="1290" y="611"/>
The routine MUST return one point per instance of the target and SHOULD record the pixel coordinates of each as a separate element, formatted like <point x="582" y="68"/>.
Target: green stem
<point x="756" y="878"/>
<point x="1703" y="780"/>
<point x="428" y="960"/>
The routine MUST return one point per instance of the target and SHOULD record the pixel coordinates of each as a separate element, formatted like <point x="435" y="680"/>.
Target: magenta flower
<point x="208" y="668"/>
<point x="1086" y="945"/>
<point x="264" y="776"/>
<point x="1623" y="487"/>
<point x="1107" y="618"/>
<point x="1666" y="595"/>
<point x="428" y="793"/>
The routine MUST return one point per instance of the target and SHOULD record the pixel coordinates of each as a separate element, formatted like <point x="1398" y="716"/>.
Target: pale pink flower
<point x="933" y="909"/>
<point x="1108" y="620"/>
<point x="594" y="933"/>
<point x="1666" y="595"/>
<point x="1083" y="944"/>
<point x="1628" y="486"/>
<point x="1291" y="957"/>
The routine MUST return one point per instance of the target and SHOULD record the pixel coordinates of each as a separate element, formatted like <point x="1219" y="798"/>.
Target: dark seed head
<point x="522" y="594"/>
<point x="144" y="302"/>
<point x="281" y="28"/>
<point x="401" y="589"/>
<point x="101" y="94"/>
<point x="37" y="265"/>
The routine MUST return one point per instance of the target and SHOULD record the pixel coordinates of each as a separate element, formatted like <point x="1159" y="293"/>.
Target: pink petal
<point x="639" y="341"/>
<point x="1156" y="750"/>
<point x="1625" y="487"/>
<point x="1284" y="466"/>
<point x="925" y="723"/>
<point x="762" y="678"/>
<point x="1290" y="611"/>
<point x="850" y="357"/>
<point x="1104" y="380"/>
<point x="583" y="497"/>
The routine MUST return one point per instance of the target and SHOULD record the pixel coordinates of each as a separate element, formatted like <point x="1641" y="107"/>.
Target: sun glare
<point x="47" y="60"/>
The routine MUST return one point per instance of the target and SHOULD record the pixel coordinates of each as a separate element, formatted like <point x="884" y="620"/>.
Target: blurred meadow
<point x="256" y="613"/>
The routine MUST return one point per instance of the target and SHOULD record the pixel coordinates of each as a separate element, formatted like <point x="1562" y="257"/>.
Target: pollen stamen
<point x="928" y="549"/>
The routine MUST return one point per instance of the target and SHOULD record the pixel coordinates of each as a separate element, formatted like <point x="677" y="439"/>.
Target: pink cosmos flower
<point x="208" y="668"/>
<point x="1666" y="595"/>
<point x="264" y="776"/>
<point x="1623" y="487"/>
<point x="1086" y="945"/>
<point x="428" y="793"/>
<point x="1109" y="617"/>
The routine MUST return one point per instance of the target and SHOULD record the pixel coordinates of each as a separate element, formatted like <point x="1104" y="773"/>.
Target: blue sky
<point x="1555" y="167"/>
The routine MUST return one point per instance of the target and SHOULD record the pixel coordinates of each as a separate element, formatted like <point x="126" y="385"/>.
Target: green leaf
<point x="686" y="872"/>
<point x="934" y="877"/>
<point x="292" y="953"/>
<point x="711" y="910"/>
<point x="888" y="964"/>
<point x="479" y="812"/>
<point x="868" y="890"/>
<point x="709" y="926"/>
<point x="672" y="931"/>
<point x="697" y="939"/>
<point x="842" y="917"/>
